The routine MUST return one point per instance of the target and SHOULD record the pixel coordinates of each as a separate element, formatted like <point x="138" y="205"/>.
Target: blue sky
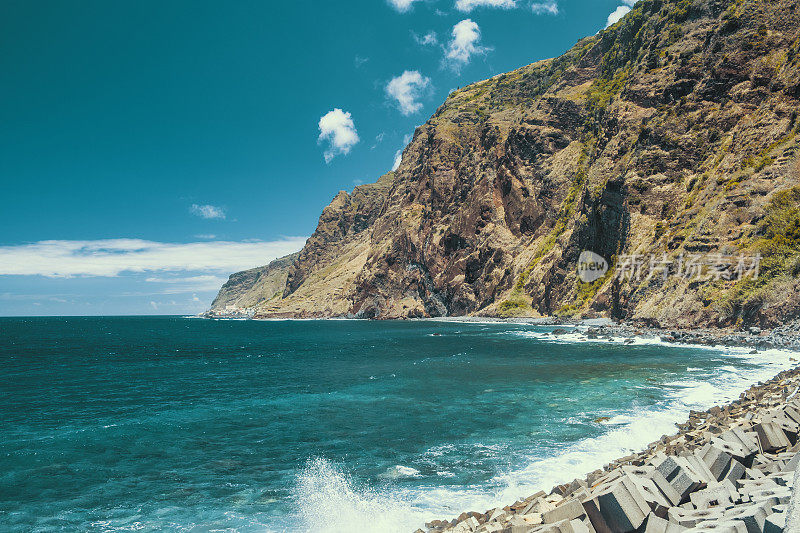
<point x="149" y="149"/>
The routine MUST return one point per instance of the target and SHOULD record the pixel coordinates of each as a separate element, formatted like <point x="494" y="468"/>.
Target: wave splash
<point x="331" y="502"/>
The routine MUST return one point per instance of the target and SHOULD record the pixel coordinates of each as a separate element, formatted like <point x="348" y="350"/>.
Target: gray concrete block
<point x="779" y="495"/>
<point x="788" y="425"/>
<point x="752" y="473"/>
<point x="721" y="494"/>
<point x="696" y="464"/>
<point x="691" y="517"/>
<point x="518" y="525"/>
<point x="578" y="526"/>
<point x="716" y="459"/>
<point x="666" y="489"/>
<point x="668" y="467"/>
<point x="784" y="479"/>
<point x="680" y="475"/>
<point x="775" y="523"/>
<point x="735" y="471"/>
<point x="566" y="511"/>
<point x="592" y="509"/>
<point x="746" y="439"/>
<point x="752" y="515"/>
<point x="685" y="483"/>
<point x="655" y="524"/>
<point x="733" y="446"/>
<point x="791" y="466"/>
<point x="655" y="499"/>
<point x="719" y="526"/>
<point x="771" y="437"/>
<point x="622" y="506"/>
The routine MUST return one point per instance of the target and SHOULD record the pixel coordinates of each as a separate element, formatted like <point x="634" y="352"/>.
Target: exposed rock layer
<point x="672" y="132"/>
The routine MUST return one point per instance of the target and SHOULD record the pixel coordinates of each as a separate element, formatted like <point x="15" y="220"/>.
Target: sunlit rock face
<point x="669" y="135"/>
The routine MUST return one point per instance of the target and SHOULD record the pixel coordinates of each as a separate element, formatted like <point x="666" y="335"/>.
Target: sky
<point x="148" y="149"/>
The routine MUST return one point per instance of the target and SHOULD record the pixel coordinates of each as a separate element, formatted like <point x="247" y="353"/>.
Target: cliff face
<point x="671" y="133"/>
<point x="245" y="291"/>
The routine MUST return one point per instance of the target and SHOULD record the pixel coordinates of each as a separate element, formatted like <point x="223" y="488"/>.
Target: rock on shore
<point x="730" y="469"/>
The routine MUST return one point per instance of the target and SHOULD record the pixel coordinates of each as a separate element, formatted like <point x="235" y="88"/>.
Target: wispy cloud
<point x="186" y="284"/>
<point x="468" y="5"/>
<point x="398" y="156"/>
<point x="464" y="44"/>
<point x="208" y="211"/>
<point x="549" y="7"/>
<point x="617" y="15"/>
<point x="402" y="5"/>
<point x="339" y="131"/>
<point x="429" y="39"/>
<point x="112" y="257"/>
<point x="406" y="90"/>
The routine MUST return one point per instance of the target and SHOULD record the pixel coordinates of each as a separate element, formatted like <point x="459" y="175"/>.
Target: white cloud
<point x="402" y="5"/>
<point x="618" y="13"/>
<point x="338" y="129"/>
<point x="429" y="39"/>
<point x="406" y="89"/>
<point x="208" y="211"/>
<point x="112" y="257"/>
<point x="398" y="155"/>
<point x="464" y="44"/>
<point x="398" y="158"/>
<point x="469" y="5"/>
<point x="179" y="285"/>
<point x="549" y="7"/>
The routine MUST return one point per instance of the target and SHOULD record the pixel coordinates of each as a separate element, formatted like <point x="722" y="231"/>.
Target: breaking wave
<point x="330" y="501"/>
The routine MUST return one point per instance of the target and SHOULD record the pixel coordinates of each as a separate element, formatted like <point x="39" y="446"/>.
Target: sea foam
<point x="330" y="501"/>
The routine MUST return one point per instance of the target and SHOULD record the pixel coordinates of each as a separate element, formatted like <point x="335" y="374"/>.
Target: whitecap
<point x="399" y="471"/>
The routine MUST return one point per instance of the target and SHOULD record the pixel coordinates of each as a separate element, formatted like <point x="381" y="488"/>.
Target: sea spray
<point x="329" y="501"/>
<point x="214" y="422"/>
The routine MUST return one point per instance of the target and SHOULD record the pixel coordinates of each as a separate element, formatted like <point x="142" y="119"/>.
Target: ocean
<point x="179" y="424"/>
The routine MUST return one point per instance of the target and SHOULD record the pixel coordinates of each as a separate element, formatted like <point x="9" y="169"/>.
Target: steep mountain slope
<point x="673" y="132"/>
<point x="244" y="291"/>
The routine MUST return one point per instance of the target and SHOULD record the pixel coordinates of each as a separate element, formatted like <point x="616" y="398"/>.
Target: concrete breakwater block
<point x="771" y="437"/>
<point x="723" y="526"/>
<point x="680" y="475"/>
<point x="728" y="470"/>
<point x="753" y="517"/>
<point x="716" y="459"/>
<point x="691" y="517"/>
<point x="622" y="508"/>
<point x="775" y="523"/>
<point x="566" y="511"/>
<point x="722" y="494"/>
<point x="656" y="524"/>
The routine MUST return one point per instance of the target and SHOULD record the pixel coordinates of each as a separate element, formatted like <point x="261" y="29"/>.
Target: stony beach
<point x="730" y="469"/>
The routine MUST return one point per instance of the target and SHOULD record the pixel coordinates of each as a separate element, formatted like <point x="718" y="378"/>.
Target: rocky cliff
<point x="670" y="135"/>
<point x="245" y="291"/>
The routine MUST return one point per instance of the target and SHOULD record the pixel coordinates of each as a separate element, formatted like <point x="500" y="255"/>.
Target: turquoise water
<point x="151" y="423"/>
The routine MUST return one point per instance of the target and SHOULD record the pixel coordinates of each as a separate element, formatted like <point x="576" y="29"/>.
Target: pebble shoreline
<point x="730" y="469"/>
